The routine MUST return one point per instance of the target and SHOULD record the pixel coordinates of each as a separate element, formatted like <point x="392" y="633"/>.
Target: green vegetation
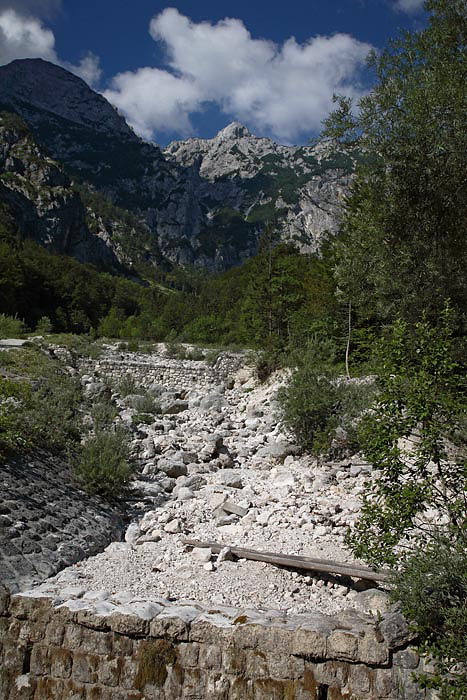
<point x="39" y="403"/>
<point x="103" y="467"/>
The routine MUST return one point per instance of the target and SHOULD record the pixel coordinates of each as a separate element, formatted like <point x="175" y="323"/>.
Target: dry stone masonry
<point x="88" y="647"/>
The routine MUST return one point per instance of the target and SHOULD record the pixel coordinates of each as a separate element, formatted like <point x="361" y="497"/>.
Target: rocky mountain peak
<point x="232" y="132"/>
<point x="31" y="84"/>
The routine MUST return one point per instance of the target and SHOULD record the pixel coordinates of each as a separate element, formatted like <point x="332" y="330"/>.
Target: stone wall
<point x="46" y="521"/>
<point x="171" y="373"/>
<point x="91" y="649"/>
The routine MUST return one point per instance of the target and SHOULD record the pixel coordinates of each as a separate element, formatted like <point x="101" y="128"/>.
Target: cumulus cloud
<point x="409" y="6"/>
<point x="283" y="89"/>
<point x="24" y="36"/>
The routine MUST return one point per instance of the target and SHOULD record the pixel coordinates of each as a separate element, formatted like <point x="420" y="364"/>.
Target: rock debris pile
<point x="217" y="466"/>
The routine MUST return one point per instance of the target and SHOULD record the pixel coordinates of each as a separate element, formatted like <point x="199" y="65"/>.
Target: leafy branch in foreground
<point x="414" y="436"/>
<point x="414" y="516"/>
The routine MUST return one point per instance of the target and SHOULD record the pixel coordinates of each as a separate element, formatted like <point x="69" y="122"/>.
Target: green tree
<point x="415" y="436"/>
<point x="404" y="249"/>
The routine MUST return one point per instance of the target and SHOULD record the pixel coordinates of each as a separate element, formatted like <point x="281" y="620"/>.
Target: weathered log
<point x="297" y="562"/>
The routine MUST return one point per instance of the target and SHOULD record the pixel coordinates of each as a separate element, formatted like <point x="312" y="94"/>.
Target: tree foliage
<point x="404" y="250"/>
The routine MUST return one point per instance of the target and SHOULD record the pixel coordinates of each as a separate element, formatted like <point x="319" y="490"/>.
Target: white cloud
<point x="409" y="6"/>
<point x="23" y="36"/>
<point x="285" y="90"/>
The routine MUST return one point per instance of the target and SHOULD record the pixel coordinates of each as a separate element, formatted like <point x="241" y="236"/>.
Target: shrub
<point x="104" y="467"/>
<point x="43" y="408"/>
<point x="127" y="385"/>
<point x="211" y="357"/>
<point x="195" y="354"/>
<point x="146" y="403"/>
<point x="176" y="351"/>
<point x="44" y="326"/>
<point x="423" y="395"/>
<point x="432" y="589"/>
<point x="103" y="413"/>
<point x="11" y="327"/>
<point x="267" y="362"/>
<point x="321" y="408"/>
<point x="15" y="396"/>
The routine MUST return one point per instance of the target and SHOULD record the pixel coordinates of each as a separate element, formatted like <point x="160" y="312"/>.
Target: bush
<point x="41" y="405"/>
<point x="127" y="385"/>
<point x="321" y="408"/>
<point x="176" y="351"/>
<point x="103" y="414"/>
<point x="15" y="396"/>
<point x="267" y="362"/>
<point x="195" y="354"/>
<point x="104" y="467"/>
<point x="432" y="588"/>
<point x="423" y="396"/>
<point x="146" y="403"/>
<point x="11" y="327"/>
<point x="44" y="326"/>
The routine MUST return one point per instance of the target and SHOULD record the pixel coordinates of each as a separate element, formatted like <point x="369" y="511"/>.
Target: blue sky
<point x="185" y="69"/>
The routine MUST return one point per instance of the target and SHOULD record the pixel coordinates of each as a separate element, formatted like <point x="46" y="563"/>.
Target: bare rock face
<point x="31" y="83"/>
<point x="202" y="201"/>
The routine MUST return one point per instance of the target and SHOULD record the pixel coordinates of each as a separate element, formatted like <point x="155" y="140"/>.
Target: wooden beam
<point x="297" y="562"/>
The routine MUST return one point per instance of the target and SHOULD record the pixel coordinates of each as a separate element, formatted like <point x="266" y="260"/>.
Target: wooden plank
<point x="297" y="562"/>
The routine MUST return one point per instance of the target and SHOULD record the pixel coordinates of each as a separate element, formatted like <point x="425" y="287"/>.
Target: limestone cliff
<point x="203" y="202"/>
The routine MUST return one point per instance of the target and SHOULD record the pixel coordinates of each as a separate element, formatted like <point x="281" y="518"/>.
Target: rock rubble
<point x="228" y="474"/>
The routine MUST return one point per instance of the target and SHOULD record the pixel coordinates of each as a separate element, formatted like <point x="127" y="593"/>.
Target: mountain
<point x="41" y="203"/>
<point x="201" y="202"/>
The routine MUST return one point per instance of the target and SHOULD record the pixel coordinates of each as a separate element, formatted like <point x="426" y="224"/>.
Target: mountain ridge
<point x="205" y="202"/>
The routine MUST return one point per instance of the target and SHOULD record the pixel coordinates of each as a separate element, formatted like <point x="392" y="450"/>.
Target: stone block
<point x="169" y="627"/>
<point x="210" y="656"/>
<point x="121" y="645"/>
<point x="247" y="636"/>
<point x="256" y="664"/>
<point x="233" y="660"/>
<point x="217" y="687"/>
<point x="54" y="633"/>
<point x="96" y="642"/>
<point x="269" y="689"/>
<point x="60" y="662"/>
<point x="407" y="658"/>
<point x="53" y="688"/>
<point x="187" y="654"/>
<point x="128" y="671"/>
<point x="26" y="607"/>
<point x="310" y="641"/>
<point x="285" y="666"/>
<point x="109" y="670"/>
<point x="4" y="600"/>
<point x="395" y="630"/>
<point x="241" y="689"/>
<point x="331" y="673"/>
<point x="13" y="656"/>
<point x="39" y="660"/>
<point x="31" y="631"/>
<point x="85" y="667"/>
<point x="371" y="650"/>
<point x="383" y="684"/>
<point x="73" y="636"/>
<point x="359" y="680"/>
<point x="128" y="624"/>
<point x="342" y="645"/>
<point x="194" y="684"/>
